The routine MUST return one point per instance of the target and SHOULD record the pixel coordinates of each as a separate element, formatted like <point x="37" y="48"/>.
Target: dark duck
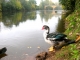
<point x="55" y="39"/>
<point x="3" y="50"/>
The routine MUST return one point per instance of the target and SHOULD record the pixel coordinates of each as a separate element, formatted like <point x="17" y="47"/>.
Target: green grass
<point x="71" y="52"/>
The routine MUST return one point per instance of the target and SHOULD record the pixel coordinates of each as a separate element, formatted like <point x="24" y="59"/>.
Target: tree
<point x="68" y="4"/>
<point x="11" y="5"/>
<point x="18" y="5"/>
<point x="32" y="4"/>
<point x="28" y="4"/>
<point x="46" y="3"/>
<point x="0" y="5"/>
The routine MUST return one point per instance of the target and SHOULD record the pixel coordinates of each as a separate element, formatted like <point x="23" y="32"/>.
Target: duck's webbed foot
<point x="52" y="49"/>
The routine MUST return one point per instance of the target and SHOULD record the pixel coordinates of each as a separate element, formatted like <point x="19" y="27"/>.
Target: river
<point x="21" y="33"/>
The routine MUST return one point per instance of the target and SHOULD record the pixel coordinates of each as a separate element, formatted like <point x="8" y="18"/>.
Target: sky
<point x="38" y="1"/>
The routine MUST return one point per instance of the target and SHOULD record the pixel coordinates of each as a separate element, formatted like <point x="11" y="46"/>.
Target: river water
<point x="21" y="33"/>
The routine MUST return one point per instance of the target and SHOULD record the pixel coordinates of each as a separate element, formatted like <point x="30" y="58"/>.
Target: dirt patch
<point x="45" y="55"/>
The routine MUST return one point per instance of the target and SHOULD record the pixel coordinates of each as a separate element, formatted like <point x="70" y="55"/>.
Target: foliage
<point x="73" y="21"/>
<point x="18" y="5"/>
<point x="37" y="7"/>
<point x="77" y="4"/>
<point x="68" y="53"/>
<point x="72" y="24"/>
<point x="49" y="8"/>
<point x="0" y="16"/>
<point x="11" y="5"/>
<point x="15" y="4"/>
<point x="0" y="6"/>
<point x="68" y="4"/>
<point x="28" y="5"/>
<point x="58" y="8"/>
<point x="73" y="27"/>
<point x="74" y="53"/>
<point x="45" y="3"/>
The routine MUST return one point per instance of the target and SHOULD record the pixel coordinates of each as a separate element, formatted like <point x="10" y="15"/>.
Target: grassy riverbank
<point x="72" y="24"/>
<point x="73" y="27"/>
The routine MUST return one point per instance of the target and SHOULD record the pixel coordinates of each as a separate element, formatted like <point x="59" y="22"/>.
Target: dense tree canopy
<point x="68" y="4"/>
<point x="44" y="3"/>
<point x="18" y="5"/>
<point x="26" y="5"/>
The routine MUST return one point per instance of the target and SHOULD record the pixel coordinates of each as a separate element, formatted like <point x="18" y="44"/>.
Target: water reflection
<point x="46" y="15"/>
<point x="10" y="19"/>
<point x="61" y="26"/>
<point x="2" y="55"/>
<point x="22" y="35"/>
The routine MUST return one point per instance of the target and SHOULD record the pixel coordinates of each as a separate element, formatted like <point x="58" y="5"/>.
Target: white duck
<point x="52" y="38"/>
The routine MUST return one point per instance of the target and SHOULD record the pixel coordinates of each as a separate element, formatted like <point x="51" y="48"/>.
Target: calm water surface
<point x="22" y="35"/>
